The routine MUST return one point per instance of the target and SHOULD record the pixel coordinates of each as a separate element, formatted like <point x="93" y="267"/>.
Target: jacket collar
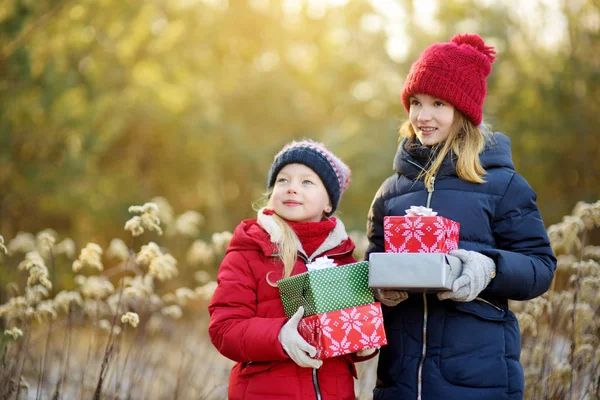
<point x="410" y="160"/>
<point x="335" y="238"/>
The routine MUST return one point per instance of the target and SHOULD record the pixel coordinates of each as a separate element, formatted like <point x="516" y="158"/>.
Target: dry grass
<point x="77" y="345"/>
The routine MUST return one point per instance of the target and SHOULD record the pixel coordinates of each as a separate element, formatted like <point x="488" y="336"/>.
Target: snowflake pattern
<point x="420" y="234"/>
<point x="344" y="331"/>
<point x="341" y="347"/>
<point x="370" y="341"/>
<point x="324" y="323"/>
<point x="350" y="320"/>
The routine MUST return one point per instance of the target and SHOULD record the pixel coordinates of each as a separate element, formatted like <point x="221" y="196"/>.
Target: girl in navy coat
<point x="465" y="343"/>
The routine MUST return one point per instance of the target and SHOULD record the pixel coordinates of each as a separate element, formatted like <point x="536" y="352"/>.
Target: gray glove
<point x="295" y="346"/>
<point x="478" y="270"/>
<point x="390" y="298"/>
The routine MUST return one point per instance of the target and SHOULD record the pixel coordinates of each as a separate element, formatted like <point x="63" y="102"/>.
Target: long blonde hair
<point x="287" y="246"/>
<point x="465" y="140"/>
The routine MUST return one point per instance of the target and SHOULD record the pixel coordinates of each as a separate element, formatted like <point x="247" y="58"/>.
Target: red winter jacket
<point x="246" y="315"/>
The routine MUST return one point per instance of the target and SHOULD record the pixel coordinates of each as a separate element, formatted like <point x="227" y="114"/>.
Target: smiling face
<point x="431" y="118"/>
<point x="299" y="195"/>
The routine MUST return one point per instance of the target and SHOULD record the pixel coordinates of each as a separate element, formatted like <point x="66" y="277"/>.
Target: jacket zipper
<point x="315" y="380"/>
<point x="328" y="255"/>
<point x="423" y="349"/>
<point x="309" y="259"/>
<point x="315" y="377"/>
<point x="430" y="192"/>
<point x="425" y="309"/>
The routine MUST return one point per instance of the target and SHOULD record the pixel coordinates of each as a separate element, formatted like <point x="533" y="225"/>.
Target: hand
<point x="390" y="298"/>
<point x="295" y="346"/>
<point x="367" y="352"/>
<point x="478" y="270"/>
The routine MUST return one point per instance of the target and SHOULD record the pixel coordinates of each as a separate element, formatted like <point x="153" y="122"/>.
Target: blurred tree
<point x="543" y="92"/>
<point x="104" y="103"/>
<point x="107" y="104"/>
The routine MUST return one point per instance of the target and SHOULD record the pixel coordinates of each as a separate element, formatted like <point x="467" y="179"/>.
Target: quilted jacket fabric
<point x="246" y="315"/>
<point x="451" y="350"/>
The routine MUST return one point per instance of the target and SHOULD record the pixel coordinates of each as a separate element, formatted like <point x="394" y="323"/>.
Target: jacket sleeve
<point x="355" y="358"/>
<point x="525" y="263"/>
<point x="375" y="225"/>
<point x="234" y="328"/>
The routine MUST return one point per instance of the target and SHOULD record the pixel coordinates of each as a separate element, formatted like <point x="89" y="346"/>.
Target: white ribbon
<point x="415" y="211"/>
<point x="320" y="263"/>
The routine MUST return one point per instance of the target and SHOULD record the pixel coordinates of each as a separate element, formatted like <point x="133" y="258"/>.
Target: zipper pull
<point x="430" y="192"/>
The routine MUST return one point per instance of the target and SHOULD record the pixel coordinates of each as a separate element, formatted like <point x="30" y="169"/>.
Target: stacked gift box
<point x="416" y="247"/>
<point x="340" y="313"/>
<point x="420" y="234"/>
<point x="344" y="331"/>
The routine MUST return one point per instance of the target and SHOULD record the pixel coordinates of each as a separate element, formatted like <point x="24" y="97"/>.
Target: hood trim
<point x="334" y="239"/>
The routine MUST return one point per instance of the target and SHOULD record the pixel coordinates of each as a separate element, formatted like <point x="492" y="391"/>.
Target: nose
<point x="291" y="189"/>
<point x="424" y="114"/>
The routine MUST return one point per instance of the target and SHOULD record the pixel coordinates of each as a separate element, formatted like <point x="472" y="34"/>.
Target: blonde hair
<point x="287" y="247"/>
<point x="288" y="250"/>
<point x="465" y="140"/>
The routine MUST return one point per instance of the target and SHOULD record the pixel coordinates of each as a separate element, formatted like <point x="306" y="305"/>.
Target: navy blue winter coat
<point x="452" y="350"/>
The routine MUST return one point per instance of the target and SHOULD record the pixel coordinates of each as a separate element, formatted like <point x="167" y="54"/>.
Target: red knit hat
<point x="455" y="72"/>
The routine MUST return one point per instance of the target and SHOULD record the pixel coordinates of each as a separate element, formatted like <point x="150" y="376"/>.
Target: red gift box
<point x="420" y="234"/>
<point x="344" y="331"/>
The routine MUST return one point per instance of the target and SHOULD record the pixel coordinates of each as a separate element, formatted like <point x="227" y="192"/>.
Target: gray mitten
<point x="390" y="298"/>
<point x="478" y="270"/>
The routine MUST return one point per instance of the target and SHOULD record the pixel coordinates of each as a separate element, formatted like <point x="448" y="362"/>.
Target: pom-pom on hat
<point x="332" y="171"/>
<point x="453" y="71"/>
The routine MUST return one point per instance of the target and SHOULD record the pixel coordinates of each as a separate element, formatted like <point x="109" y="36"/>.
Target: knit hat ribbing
<point x="454" y="71"/>
<point x="332" y="171"/>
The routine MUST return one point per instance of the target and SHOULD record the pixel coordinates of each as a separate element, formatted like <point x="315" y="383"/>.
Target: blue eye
<point x="281" y="180"/>
<point x="307" y="182"/>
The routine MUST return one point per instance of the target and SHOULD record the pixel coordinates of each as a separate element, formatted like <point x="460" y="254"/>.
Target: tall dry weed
<point x="128" y="329"/>
<point x="561" y="329"/>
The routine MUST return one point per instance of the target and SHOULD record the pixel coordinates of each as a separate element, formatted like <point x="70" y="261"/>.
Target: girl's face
<point x="299" y="194"/>
<point x="431" y="118"/>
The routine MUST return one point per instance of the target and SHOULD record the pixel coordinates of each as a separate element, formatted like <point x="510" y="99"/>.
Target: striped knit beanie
<point x="455" y="72"/>
<point x="332" y="171"/>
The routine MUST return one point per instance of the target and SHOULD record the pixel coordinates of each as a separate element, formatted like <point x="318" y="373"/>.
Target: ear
<point x="327" y="209"/>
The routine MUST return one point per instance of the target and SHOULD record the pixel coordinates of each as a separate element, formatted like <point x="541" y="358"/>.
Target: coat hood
<point x="263" y="234"/>
<point x="497" y="154"/>
<point x="249" y="235"/>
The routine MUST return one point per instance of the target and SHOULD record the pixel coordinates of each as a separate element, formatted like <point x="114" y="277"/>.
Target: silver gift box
<point x="413" y="271"/>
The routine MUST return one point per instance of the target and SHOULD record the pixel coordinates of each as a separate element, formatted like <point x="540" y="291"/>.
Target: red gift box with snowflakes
<point x="420" y="234"/>
<point x="344" y="331"/>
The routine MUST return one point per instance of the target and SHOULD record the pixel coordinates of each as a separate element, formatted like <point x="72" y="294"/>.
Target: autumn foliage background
<point x="106" y="104"/>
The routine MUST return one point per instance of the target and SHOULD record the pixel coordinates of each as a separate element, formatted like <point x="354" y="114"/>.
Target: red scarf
<point x="313" y="234"/>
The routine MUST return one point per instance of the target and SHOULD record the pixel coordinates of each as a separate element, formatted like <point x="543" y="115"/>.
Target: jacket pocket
<point x="474" y="345"/>
<point x="255" y="367"/>
<point x="268" y="380"/>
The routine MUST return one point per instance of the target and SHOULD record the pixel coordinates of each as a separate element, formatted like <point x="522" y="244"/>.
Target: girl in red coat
<point x="247" y="321"/>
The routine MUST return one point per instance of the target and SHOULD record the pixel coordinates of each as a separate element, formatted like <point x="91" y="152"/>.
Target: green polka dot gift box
<point x="327" y="289"/>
